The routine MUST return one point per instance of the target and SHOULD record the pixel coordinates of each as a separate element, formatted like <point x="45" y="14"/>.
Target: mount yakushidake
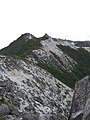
<point x="38" y="76"/>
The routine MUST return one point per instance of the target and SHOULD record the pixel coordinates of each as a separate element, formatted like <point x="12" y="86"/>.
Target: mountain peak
<point x="27" y="36"/>
<point x="46" y="36"/>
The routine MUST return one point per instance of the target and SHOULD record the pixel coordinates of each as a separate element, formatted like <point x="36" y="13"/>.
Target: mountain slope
<point x="66" y="60"/>
<point x="23" y="45"/>
<point x="31" y="93"/>
<point x="35" y="74"/>
<point x="15" y="48"/>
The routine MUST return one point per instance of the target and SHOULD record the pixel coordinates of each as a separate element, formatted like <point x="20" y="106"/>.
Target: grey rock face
<point x="31" y="92"/>
<point x="81" y="100"/>
<point x="12" y="117"/>
<point x="2" y="91"/>
<point x="30" y="116"/>
<point x="4" y="109"/>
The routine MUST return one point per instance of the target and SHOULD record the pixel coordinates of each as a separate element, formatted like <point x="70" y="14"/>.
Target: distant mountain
<point x="38" y="75"/>
<point x="82" y="43"/>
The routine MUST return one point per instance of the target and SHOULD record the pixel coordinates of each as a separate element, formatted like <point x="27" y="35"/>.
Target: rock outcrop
<point x="4" y="109"/>
<point x="81" y="100"/>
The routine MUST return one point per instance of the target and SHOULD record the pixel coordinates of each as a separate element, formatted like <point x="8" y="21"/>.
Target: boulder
<point x="4" y="109"/>
<point x="2" y="92"/>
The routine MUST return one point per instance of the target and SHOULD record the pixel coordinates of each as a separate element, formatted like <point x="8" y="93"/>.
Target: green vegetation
<point x="61" y="74"/>
<point x="21" y="47"/>
<point x="2" y="118"/>
<point x="4" y="101"/>
<point x="33" y="111"/>
<point x="82" y="57"/>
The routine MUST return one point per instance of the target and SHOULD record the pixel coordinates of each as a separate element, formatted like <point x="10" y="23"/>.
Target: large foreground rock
<point x="81" y="100"/>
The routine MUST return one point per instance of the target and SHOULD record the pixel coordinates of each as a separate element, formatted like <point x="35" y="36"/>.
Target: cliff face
<point x="81" y="100"/>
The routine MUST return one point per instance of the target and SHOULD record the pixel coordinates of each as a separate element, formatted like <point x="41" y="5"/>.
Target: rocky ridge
<point x="35" y="74"/>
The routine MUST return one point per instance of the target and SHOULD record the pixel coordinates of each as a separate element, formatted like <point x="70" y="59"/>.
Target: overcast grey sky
<point x="67" y="19"/>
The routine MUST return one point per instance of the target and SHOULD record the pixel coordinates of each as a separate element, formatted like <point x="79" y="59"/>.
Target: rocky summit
<point x="38" y="76"/>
